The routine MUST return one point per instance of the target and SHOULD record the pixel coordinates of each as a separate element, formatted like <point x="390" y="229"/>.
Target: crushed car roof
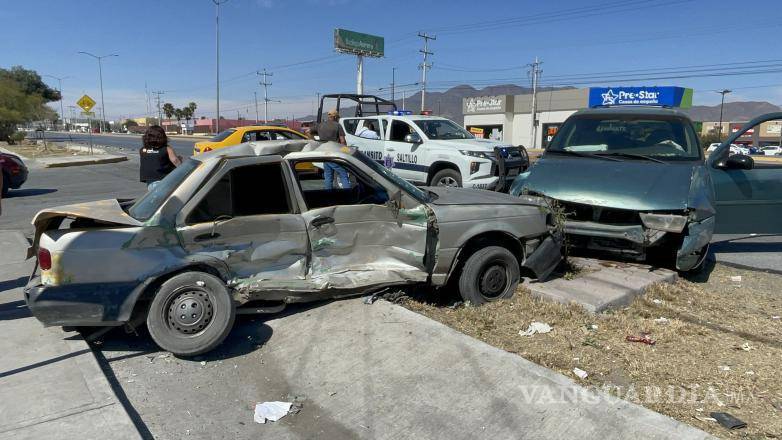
<point x="268" y="148"/>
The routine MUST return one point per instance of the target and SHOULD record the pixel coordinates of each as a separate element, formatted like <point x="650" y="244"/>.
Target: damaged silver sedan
<point x="260" y="223"/>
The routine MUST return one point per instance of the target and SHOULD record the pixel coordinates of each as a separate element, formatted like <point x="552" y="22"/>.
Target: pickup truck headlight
<point x="664" y="222"/>
<point x="482" y="154"/>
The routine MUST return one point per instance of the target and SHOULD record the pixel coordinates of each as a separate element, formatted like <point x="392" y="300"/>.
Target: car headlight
<point x="481" y="154"/>
<point x="664" y="222"/>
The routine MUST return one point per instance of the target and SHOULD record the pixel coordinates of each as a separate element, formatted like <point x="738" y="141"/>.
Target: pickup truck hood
<point x="466" y="144"/>
<point x="107" y="211"/>
<point x="629" y="184"/>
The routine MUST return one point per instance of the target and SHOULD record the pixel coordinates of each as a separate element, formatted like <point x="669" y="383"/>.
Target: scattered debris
<point x="746" y="347"/>
<point x="535" y="327"/>
<point x="580" y="373"/>
<point x="724" y="368"/>
<point x="735" y="278"/>
<point x="728" y="420"/>
<point x="203" y="363"/>
<point x="370" y="299"/>
<point x="271" y="411"/>
<point x="776" y="317"/>
<point x="643" y="338"/>
<point x="657" y="301"/>
<point x="297" y="403"/>
<point x="705" y="419"/>
<point x="661" y="320"/>
<point x="592" y="327"/>
<point x="592" y="343"/>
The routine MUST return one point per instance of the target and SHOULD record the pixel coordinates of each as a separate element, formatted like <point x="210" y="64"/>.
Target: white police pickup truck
<point x="429" y="150"/>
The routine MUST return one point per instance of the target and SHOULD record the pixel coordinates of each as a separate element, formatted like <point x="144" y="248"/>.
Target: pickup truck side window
<point x="244" y="191"/>
<point x="400" y="129"/>
<point x="347" y="186"/>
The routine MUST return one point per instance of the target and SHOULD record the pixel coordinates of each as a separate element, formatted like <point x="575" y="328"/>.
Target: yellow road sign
<point x="86" y="103"/>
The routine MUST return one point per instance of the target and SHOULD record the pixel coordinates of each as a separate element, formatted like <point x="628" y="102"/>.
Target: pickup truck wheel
<point x="447" y="177"/>
<point x="191" y="313"/>
<point x="489" y="274"/>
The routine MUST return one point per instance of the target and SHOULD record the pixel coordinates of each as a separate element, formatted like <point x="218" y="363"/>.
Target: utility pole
<point x="393" y="82"/>
<point x="62" y="111"/>
<point x="146" y="99"/>
<point x="159" y="112"/>
<point x="360" y="75"/>
<point x="217" y="58"/>
<point x="425" y="65"/>
<point x="722" y="103"/>
<point x="266" y="99"/>
<point x="535" y="72"/>
<point x="255" y="94"/>
<point x="100" y="75"/>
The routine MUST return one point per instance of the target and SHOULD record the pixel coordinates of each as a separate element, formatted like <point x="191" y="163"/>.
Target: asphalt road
<point x="183" y="147"/>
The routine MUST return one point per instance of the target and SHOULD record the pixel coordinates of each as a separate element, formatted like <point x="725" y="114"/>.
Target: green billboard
<point x="358" y="43"/>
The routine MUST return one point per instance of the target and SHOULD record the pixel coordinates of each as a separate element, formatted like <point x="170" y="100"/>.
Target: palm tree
<point x="168" y="110"/>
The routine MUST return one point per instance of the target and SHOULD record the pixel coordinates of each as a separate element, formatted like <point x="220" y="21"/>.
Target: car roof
<point x="268" y="148"/>
<point x="632" y="110"/>
<point x="263" y="127"/>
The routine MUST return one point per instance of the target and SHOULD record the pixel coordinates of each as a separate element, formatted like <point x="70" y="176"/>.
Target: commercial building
<point x="767" y="133"/>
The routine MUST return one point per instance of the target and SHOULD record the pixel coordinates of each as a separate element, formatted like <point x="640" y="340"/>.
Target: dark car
<point x="14" y="172"/>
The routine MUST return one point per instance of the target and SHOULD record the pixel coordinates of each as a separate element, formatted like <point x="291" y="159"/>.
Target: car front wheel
<point x="192" y="313"/>
<point x="489" y="274"/>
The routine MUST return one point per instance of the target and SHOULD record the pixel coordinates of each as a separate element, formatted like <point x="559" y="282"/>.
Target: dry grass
<point x="720" y="349"/>
<point x="34" y="151"/>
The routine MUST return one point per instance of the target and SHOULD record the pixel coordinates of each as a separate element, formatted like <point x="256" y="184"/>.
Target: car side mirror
<point x="739" y="162"/>
<point x="413" y="138"/>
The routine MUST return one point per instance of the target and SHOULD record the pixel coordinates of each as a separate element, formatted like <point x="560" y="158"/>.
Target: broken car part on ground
<point x="245" y="223"/>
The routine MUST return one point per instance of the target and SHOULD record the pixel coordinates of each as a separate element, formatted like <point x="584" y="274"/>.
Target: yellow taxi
<point x="250" y="133"/>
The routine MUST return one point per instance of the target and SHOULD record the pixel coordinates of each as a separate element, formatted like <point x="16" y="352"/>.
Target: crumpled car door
<point x="747" y="200"/>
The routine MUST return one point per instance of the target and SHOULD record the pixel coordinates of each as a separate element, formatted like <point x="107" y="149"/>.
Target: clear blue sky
<point x="170" y="45"/>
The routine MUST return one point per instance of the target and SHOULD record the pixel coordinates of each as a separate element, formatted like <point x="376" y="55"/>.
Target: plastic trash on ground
<point x="580" y="373"/>
<point x="271" y="411"/>
<point x="535" y="327"/>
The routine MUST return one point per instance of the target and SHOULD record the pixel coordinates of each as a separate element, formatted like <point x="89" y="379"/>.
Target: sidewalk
<point x="51" y="385"/>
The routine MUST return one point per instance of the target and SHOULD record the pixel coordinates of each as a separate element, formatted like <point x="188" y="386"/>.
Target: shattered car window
<point x="664" y="136"/>
<point x="411" y="189"/>
<point x="146" y="206"/>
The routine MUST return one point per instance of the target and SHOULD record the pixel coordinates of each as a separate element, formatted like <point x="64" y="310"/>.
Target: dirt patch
<point x="34" y="151"/>
<point x="717" y="346"/>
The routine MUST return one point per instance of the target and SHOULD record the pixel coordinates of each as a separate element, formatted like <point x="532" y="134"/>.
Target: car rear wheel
<point x="192" y="313"/>
<point x="489" y="274"/>
<point x="447" y="177"/>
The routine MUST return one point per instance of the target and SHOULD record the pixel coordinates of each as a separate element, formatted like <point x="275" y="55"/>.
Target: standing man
<point x="330" y="131"/>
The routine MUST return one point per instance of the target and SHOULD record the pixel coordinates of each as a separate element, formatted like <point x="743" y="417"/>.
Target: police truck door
<point x="401" y="155"/>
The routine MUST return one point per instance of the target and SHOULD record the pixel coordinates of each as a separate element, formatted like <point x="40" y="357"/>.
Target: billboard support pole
<point x="360" y="75"/>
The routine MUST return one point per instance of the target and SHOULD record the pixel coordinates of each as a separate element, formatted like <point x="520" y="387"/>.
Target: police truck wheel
<point x="447" y="177"/>
<point x="192" y="313"/>
<point x="489" y="274"/>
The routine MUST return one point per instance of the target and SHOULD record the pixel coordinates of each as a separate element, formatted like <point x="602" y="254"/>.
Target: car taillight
<point x="44" y="259"/>
<point x="206" y="149"/>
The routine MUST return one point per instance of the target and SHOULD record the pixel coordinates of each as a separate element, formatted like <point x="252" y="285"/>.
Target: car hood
<point x="466" y="144"/>
<point x="629" y="184"/>
<point x="467" y="196"/>
<point x="106" y="211"/>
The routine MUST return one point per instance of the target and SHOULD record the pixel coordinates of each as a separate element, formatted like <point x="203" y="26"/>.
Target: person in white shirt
<point x="368" y="131"/>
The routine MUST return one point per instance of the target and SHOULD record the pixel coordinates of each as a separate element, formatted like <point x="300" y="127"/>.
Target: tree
<point x="22" y="99"/>
<point x="168" y="110"/>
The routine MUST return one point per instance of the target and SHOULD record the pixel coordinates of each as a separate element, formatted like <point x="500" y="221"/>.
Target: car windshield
<point x="223" y="135"/>
<point x="385" y="172"/>
<point x="663" y="137"/>
<point x="147" y="205"/>
<point x="442" y="129"/>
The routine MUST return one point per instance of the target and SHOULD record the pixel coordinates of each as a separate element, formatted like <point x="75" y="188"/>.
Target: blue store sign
<point x="659" y="96"/>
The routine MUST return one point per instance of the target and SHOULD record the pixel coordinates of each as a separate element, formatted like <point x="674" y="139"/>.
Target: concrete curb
<point x="74" y="161"/>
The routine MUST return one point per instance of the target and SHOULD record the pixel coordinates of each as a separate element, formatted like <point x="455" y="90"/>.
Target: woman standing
<point x="157" y="157"/>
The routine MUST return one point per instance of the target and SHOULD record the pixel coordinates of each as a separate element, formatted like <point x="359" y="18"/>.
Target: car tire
<point x="211" y="317"/>
<point x="489" y="274"/>
<point x="447" y="177"/>
<point x="6" y="185"/>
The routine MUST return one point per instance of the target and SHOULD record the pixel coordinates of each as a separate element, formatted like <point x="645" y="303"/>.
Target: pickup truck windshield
<point x="657" y="136"/>
<point x="147" y="205"/>
<point x="442" y="129"/>
<point x="420" y="195"/>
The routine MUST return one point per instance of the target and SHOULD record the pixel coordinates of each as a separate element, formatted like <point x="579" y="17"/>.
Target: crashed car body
<point x="633" y="180"/>
<point x="241" y="225"/>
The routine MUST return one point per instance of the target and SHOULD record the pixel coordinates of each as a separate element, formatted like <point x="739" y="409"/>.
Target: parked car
<point x="250" y="133"/>
<point x="234" y="226"/>
<point x="771" y="150"/>
<point x="633" y="181"/>
<point x="14" y="172"/>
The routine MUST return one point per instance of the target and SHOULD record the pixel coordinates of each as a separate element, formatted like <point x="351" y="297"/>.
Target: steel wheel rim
<point x="447" y="181"/>
<point x="189" y="311"/>
<point x="493" y="280"/>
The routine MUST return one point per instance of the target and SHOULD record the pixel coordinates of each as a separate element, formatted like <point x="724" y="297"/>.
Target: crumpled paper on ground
<point x="271" y="411"/>
<point x="536" y="327"/>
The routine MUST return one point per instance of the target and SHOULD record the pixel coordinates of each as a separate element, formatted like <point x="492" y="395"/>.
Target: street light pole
<point x="59" y="80"/>
<point x="722" y="103"/>
<point x="217" y="57"/>
<point x="100" y="76"/>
